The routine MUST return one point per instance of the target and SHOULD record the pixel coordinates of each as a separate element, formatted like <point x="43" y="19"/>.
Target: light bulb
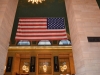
<point x="24" y="67"/>
<point x="65" y="67"/>
<point x="35" y="1"/>
<point x="28" y="0"/>
<point x="27" y="69"/>
<point x="62" y="69"/>
<point x="39" y="0"/>
<point x="44" y="68"/>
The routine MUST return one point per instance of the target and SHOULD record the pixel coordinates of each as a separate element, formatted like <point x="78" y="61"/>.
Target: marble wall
<point x="7" y="13"/>
<point x="84" y="21"/>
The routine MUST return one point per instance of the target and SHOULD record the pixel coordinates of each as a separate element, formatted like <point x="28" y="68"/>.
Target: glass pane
<point x="24" y="42"/>
<point x="64" y="42"/>
<point x="44" y="42"/>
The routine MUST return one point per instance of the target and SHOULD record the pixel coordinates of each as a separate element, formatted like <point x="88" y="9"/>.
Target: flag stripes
<point x="40" y="34"/>
<point x="38" y="29"/>
<point x="41" y="38"/>
<point x="33" y="19"/>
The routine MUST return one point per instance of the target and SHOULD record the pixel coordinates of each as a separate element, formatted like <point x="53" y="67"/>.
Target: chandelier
<point x="45" y="64"/>
<point x="25" y="67"/>
<point x="45" y="68"/>
<point x="36" y="1"/>
<point x="64" y="67"/>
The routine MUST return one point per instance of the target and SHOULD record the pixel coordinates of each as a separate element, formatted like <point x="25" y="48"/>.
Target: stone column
<point x="7" y="14"/>
<point x="84" y="21"/>
<point x="71" y="63"/>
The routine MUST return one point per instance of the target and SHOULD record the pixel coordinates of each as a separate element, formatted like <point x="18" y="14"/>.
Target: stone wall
<point x="84" y="21"/>
<point x="7" y="13"/>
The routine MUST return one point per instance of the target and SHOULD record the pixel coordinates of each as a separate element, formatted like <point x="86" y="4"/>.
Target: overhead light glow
<point x="36" y="1"/>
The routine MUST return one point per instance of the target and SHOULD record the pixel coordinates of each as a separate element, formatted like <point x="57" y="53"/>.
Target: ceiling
<point x="98" y="2"/>
<point x="49" y="8"/>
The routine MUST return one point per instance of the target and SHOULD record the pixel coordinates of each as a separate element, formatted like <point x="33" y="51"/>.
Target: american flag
<point x="41" y="29"/>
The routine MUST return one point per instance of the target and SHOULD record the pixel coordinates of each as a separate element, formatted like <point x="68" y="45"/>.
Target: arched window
<point x="64" y="42"/>
<point x="44" y="42"/>
<point x="24" y="43"/>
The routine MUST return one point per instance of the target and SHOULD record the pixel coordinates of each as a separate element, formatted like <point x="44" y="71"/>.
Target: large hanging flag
<point x="41" y="29"/>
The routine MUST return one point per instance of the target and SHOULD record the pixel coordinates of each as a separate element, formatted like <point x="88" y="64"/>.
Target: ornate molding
<point x="40" y="47"/>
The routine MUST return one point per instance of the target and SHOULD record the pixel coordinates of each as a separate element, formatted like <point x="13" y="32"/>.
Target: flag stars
<point x="56" y="23"/>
